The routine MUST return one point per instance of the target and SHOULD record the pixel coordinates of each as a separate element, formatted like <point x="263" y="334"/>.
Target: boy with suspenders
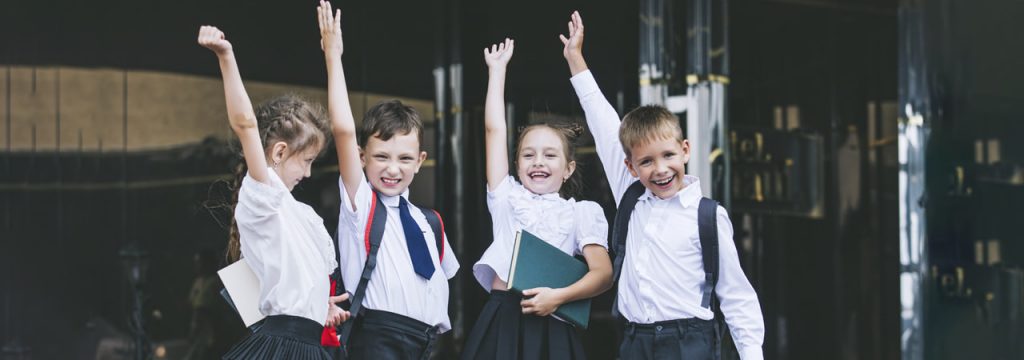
<point x="673" y="248"/>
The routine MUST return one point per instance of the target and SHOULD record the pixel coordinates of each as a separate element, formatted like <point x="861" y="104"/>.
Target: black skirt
<point x="504" y="332"/>
<point x="282" y="337"/>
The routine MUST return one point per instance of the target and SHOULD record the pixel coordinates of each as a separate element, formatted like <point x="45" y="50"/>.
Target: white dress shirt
<point x="394" y="287"/>
<point x="286" y="245"/>
<point x="568" y="225"/>
<point x="663" y="271"/>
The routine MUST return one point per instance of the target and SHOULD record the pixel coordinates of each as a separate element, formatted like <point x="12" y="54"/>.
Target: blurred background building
<point x="864" y="148"/>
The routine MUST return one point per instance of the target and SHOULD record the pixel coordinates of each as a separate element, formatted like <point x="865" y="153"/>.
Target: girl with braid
<point x="283" y="240"/>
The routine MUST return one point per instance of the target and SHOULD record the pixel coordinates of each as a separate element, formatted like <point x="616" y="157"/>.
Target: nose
<point x="393" y="168"/>
<point x="660" y="167"/>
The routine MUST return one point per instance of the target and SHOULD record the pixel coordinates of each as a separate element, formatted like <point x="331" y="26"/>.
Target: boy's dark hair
<point x="569" y="133"/>
<point x="646" y="124"/>
<point x="389" y="118"/>
<point x="289" y="118"/>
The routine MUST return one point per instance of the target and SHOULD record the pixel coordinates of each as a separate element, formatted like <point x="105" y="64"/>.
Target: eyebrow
<point x="546" y="148"/>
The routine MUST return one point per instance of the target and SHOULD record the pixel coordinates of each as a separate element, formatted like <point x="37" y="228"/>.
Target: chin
<point x="392" y="190"/>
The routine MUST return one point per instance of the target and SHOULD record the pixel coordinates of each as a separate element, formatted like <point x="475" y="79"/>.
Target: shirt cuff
<point x="584" y="84"/>
<point x="751" y="353"/>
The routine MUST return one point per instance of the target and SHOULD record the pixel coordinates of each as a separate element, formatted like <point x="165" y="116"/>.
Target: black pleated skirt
<point x="504" y="332"/>
<point x="282" y="337"/>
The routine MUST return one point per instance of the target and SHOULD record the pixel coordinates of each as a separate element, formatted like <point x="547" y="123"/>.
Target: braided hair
<point x="289" y="119"/>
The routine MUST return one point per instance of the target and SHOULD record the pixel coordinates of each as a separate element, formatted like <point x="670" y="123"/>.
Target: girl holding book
<point x="283" y="240"/>
<point x="521" y="327"/>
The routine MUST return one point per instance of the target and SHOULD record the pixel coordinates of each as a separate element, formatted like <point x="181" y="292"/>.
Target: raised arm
<point x="602" y="119"/>
<point x="240" y="113"/>
<point x="343" y="124"/>
<point x="496" y="57"/>
<point x="573" y="45"/>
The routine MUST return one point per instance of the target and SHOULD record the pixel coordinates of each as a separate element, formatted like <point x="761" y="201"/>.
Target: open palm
<point x="498" y="55"/>
<point x="573" y="43"/>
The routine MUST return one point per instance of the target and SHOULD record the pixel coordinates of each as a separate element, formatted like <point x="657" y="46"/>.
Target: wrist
<point x="495" y="69"/>
<point x="561" y="296"/>
<point x="225" y="55"/>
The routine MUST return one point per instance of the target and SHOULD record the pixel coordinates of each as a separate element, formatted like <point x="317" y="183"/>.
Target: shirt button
<point x="658" y="328"/>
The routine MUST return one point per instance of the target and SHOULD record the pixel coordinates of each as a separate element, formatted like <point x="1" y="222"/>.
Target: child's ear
<point x="571" y="167"/>
<point x="278" y="152"/>
<point x="362" y="158"/>
<point x="629" y="166"/>
<point x="419" y="162"/>
<point x="686" y="150"/>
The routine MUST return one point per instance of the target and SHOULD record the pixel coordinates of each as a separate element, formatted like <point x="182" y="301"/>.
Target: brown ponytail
<point x="234" y="251"/>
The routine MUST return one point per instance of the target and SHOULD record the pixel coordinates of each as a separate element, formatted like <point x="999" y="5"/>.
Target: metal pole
<point x="458" y="158"/>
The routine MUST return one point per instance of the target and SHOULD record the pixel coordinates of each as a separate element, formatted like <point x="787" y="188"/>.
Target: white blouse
<point x="566" y="224"/>
<point x="286" y="244"/>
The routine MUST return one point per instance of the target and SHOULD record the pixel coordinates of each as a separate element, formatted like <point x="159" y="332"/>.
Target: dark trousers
<point x="673" y="339"/>
<point x="389" y="336"/>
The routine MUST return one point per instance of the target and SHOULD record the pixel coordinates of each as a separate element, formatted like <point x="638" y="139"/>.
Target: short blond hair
<point x="646" y="124"/>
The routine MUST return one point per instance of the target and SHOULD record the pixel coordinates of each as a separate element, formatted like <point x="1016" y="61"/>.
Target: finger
<point x="579" y="21"/>
<point x="530" y="292"/>
<point x="320" y="17"/>
<point x="337" y="20"/>
<point x="511" y="45"/>
<point x="486" y="52"/>
<point x="564" y="40"/>
<point x="572" y="29"/>
<point x="339" y="298"/>
<point x="328" y="11"/>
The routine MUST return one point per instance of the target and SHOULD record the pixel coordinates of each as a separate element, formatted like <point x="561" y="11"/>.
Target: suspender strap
<point x="707" y="225"/>
<point x="620" y="228"/>
<point x="374" y="234"/>
<point x="437" y="225"/>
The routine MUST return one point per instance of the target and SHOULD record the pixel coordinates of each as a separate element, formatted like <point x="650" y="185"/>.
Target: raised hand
<point x="330" y="29"/>
<point x="498" y="55"/>
<point x="212" y="38"/>
<point x="574" y="43"/>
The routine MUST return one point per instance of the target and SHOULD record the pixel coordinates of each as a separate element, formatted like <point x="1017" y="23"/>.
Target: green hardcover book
<point x="535" y="263"/>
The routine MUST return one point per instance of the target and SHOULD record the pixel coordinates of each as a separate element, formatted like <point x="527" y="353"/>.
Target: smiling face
<point x="390" y="165"/>
<point x="541" y="162"/>
<point x="660" y="165"/>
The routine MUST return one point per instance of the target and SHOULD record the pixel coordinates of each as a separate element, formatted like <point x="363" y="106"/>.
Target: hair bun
<point x="574" y="129"/>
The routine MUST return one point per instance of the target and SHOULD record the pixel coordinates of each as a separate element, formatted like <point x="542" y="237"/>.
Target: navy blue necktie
<point x="421" y="261"/>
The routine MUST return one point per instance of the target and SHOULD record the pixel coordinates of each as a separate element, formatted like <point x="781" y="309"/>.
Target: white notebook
<point x="244" y="288"/>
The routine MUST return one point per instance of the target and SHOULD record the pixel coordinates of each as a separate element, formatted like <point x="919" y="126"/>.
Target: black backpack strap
<point x="620" y="228"/>
<point x="437" y="225"/>
<point x="336" y="275"/>
<point x="374" y="234"/>
<point x="707" y="225"/>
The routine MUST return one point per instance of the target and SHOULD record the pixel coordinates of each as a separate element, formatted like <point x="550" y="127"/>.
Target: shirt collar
<point x="392" y="201"/>
<point x="689" y="195"/>
<point x="546" y="197"/>
<point x="274" y="179"/>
